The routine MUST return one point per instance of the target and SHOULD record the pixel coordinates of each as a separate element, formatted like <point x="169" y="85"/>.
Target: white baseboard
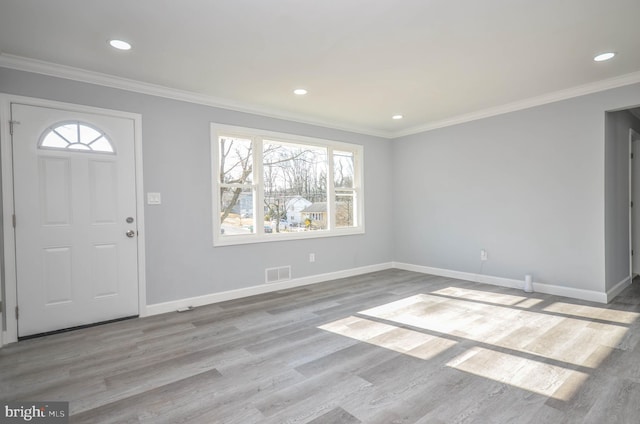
<point x="171" y="306"/>
<point x="207" y="299"/>
<point x="589" y="295"/>
<point x="617" y="289"/>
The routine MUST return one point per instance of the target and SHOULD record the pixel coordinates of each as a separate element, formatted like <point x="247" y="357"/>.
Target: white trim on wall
<point x="82" y="75"/>
<point x="581" y="90"/>
<point x="590" y="295"/>
<point x="171" y="306"/>
<point x="593" y="296"/>
<point x="617" y="289"/>
<point x="633" y="221"/>
<point x="92" y="77"/>
<point x="10" y="302"/>
<point x="192" y="302"/>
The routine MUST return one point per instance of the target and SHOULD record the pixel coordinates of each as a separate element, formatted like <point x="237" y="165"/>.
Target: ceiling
<point x="362" y="61"/>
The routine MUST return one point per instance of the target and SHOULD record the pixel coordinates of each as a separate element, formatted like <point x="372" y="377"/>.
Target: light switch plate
<point x="154" y="199"/>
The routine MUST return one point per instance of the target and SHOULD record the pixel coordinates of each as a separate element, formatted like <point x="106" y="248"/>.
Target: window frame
<point x="258" y="137"/>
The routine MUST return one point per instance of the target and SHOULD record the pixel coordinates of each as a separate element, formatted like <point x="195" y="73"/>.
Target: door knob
<point x="131" y="233"/>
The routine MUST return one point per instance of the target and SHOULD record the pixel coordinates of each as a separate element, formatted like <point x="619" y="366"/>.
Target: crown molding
<point x="67" y="72"/>
<point x="555" y="96"/>
<point x="82" y="75"/>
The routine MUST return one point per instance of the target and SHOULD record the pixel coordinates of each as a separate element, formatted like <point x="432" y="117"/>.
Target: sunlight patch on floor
<point x="534" y="350"/>
<point x="489" y="297"/>
<point x="402" y="340"/>
<point x="538" y="377"/>
<point x="562" y="338"/>
<point x="591" y="312"/>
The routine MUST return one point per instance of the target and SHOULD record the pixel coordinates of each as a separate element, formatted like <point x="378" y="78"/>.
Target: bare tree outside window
<point x="236" y="185"/>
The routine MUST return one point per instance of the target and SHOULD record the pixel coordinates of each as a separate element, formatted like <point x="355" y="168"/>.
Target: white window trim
<point x="259" y="236"/>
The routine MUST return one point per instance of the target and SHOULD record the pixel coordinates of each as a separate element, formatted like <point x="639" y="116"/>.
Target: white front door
<point x="76" y="220"/>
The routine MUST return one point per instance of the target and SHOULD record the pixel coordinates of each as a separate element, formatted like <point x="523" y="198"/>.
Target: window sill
<point x="234" y="240"/>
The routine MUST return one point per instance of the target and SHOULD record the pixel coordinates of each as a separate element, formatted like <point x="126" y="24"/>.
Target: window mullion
<point x="356" y="207"/>
<point x="358" y="203"/>
<point x="331" y="201"/>
<point x="258" y="185"/>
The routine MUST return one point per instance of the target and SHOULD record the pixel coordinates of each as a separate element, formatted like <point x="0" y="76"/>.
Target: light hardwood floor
<point x="386" y="347"/>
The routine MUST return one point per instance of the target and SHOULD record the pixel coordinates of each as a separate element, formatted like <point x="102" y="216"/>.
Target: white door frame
<point x="633" y="136"/>
<point x="11" y="283"/>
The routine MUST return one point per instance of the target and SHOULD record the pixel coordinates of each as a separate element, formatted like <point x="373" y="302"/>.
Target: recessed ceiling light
<point x="120" y="45"/>
<point x="396" y="117"/>
<point x="299" y="91"/>
<point x="604" y="56"/>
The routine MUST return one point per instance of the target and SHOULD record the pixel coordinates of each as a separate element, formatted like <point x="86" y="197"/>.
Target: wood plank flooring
<point x="387" y="347"/>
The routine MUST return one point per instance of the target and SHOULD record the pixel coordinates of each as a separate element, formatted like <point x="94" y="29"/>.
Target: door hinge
<point x="13" y="220"/>
<point x="631" y="155"/>
<point x="11" y="124"/>
<point x="17" y="313"/>
<point x="632" y="204"/>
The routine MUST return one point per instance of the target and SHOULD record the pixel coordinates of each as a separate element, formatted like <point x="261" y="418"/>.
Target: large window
<point x="271" y="186"/>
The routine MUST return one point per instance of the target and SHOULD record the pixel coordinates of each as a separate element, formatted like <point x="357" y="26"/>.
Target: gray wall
<point x="181" y="261"/>
<point x="617" y="127"/>
<point x="533" y="187"/>
<point x="528" y="186"/>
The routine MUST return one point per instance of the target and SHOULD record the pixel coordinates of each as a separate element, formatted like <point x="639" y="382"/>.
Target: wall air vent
<point x="273" y="275"/>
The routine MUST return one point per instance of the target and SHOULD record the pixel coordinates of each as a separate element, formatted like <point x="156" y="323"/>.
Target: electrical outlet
<point x="154" y="199"/>
<point x="484" y="255"/>
<point x="312" y="257"/>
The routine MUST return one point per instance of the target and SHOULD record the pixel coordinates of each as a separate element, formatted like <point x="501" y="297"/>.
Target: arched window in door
<point x="78" y="136"/>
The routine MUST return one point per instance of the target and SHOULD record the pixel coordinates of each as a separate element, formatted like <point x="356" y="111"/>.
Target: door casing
<point x="10" y="301"/>
<point x="634" y="181"/>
